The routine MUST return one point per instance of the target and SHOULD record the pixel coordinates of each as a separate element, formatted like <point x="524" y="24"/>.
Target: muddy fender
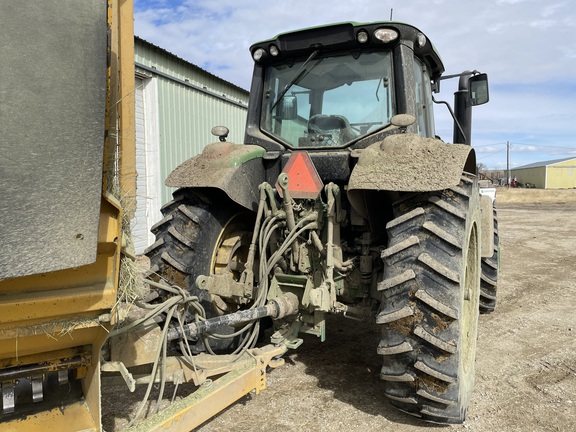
<point x="235" y="169"/>
<point x="409" y="163"/>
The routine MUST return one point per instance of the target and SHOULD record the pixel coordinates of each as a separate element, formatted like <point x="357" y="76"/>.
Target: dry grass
<point x="131" y="283"/>
<point x="535" y="196"/>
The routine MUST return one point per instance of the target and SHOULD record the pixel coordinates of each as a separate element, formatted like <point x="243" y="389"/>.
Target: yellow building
<point x="553" y="174"/>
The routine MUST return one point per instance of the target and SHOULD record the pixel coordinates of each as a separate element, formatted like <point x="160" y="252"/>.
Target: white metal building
<point x="177" y="104"/>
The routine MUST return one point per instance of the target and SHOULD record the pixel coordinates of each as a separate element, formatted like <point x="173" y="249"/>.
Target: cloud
<point x="526" y="47"/>
<point x="526" y="149"/>
<point x="490" y="149"/>
<point x="496" y="36"/>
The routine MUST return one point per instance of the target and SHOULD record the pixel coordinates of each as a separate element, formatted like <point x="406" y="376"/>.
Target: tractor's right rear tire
<point x="430" y="302"/>
<point x="490" y="270"/>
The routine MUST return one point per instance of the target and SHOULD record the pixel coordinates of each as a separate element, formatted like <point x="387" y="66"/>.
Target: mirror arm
<point x="465" y="73"/>
<point x="456" y="122"/>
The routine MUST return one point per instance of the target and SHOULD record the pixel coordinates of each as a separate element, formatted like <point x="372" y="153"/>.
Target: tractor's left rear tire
<point x="201" y="235"/>
<point x="430" y="302"/>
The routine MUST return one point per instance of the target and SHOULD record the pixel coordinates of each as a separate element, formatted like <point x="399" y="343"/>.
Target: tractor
<point x="341" y="200"/>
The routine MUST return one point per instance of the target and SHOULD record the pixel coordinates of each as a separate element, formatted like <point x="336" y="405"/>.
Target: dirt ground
<point x="526" y="358"/>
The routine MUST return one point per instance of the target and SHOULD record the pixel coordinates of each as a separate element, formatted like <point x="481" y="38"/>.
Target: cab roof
<point x="344" y="36"/>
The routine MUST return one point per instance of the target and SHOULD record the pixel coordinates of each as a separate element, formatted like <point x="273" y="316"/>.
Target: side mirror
<point x="288" y="109"/>
<point x="478" y="89"/>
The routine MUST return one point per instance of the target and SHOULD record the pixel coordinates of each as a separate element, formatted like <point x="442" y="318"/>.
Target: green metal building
<point x="552" y="174"/>
<point x="177" y="104"/>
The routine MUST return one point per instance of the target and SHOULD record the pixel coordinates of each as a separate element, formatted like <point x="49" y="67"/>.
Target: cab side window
<point x="424" y="107"/>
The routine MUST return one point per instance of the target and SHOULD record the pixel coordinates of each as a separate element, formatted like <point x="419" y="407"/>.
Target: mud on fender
<point x="409" y="163"/>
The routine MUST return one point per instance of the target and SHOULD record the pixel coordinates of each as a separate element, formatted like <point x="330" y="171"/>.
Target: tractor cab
<point x="342" y="85"/>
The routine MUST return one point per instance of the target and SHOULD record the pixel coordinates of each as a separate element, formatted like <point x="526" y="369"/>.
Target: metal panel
<point x="535" y="176"/>
<point x="561" y="175"/>
<point x="52" y="107"/>
<point x="187" y="113"/>
<point x="148" y="182"/>
<point x="139" y="226"/>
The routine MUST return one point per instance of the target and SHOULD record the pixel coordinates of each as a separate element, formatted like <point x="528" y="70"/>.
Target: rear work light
<point x="386" y="35"/>
<point x="258" y="54"/>
<point x="362" y="37"/>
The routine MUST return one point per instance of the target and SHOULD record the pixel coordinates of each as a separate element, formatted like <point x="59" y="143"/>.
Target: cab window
<point x="328" y="101"/>
<point x="424" y="104"/>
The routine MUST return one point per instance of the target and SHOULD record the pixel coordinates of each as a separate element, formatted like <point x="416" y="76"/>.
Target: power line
<point x="524" y="144"/>
<point x="491" y="154"/>
<point x="488" y="145"/>
<point x="545" y="146"/>
<point x="541" y="145"/>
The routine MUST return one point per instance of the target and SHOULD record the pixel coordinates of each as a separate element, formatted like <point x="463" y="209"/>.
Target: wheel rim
<point x="231" y="253"/>
<point x="229" y="257"/>
<point x="231" y="249"/>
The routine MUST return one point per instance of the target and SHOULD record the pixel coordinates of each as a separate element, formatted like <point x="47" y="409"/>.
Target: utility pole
<point x="508" y="164"/>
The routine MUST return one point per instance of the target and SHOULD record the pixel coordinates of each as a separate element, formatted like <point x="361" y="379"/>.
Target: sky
<point x="527" y="48"/>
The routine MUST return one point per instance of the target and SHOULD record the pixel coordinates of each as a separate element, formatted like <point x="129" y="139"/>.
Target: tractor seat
<point x="329" y="130"/>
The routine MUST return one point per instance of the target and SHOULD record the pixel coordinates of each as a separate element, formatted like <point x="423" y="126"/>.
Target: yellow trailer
<point x="67" y="116"/>
<point x="67" y="195"/>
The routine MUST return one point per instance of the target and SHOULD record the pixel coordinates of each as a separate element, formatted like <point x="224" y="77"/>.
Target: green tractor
<point x="340" y="201"/>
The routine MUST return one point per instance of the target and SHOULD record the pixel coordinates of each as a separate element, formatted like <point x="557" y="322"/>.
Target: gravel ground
<point x="526" y="358"/>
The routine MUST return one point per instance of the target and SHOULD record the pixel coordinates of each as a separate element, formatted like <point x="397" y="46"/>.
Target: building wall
<point x="562" y="175"/>
<point x="148" y="182"/>
<point x="535" y="176"/>
<point x="190" y="102"/>
<point x="177" y="104"/>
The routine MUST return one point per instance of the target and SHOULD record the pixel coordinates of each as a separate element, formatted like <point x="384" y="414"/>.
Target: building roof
<point x="165" y="51"/>
<point x="544" y="163"/>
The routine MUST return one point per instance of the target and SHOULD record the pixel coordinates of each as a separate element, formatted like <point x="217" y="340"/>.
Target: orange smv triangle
<point x="303" y="179"/>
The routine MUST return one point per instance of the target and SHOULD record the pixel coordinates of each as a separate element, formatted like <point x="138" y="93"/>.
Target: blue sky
<point x="527" y="47"/>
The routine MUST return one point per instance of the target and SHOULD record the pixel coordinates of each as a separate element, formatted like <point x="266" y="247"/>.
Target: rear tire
<point x="430" y="302"/>
<point x="195" y="237"/>
<point x="490" y="270"/>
